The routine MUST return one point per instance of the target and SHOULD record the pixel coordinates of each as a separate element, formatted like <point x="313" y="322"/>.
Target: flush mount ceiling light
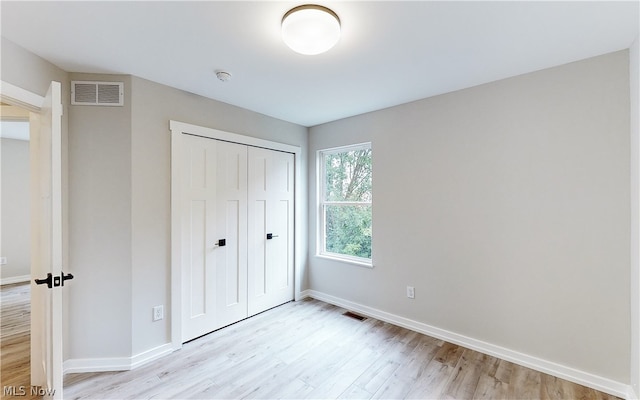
<point x="310" y="29"/>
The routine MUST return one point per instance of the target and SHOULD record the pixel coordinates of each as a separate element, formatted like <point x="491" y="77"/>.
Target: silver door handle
<point x="220" y="243"/>
<point x="271" y="236"/>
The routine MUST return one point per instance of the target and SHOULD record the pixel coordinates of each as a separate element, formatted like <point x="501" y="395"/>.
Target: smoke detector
<point x="224" y="76"/>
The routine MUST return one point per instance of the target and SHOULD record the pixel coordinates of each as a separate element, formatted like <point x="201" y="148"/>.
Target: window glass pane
<point x="348" y="176"/>
<point x="348" y="230"/>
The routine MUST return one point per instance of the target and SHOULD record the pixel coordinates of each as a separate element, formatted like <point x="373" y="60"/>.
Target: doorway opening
<point x="15" y="246"/>
<point x="45" y="221"/>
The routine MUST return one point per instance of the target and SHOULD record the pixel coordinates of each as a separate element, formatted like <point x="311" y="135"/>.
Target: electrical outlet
<point x="158" y="313"/>
<point x="3" y="260"/>
<point x="411" y="292"/>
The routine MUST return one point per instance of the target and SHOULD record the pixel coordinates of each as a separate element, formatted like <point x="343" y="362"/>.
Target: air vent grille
<point x="97" y="93"/>
<point x="354" y="315"/>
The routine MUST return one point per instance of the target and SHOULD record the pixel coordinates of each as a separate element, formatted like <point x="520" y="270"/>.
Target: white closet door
<point x="270" y="260"/>
<point x="231" y="259"/>
<point x="214" y="209"/>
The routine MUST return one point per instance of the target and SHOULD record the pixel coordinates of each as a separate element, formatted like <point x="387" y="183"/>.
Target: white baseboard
<point x="151" y="355"/>
<point x="83" y="365"/>
<point x="548" y="367"/>
<point x="15" y="279"/>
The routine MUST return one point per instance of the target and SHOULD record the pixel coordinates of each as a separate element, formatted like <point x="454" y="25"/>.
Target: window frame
<point x="322" y="203"/>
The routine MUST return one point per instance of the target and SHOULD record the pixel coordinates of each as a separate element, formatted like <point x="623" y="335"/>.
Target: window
<point x="345" y="203"/>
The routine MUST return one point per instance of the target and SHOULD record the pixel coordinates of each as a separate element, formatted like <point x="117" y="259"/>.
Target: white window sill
<point x="346" y="260"/>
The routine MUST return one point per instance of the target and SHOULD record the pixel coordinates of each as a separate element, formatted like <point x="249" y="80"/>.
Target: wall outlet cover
<point x="158" y="313"/>
<point x="411" y="292"/>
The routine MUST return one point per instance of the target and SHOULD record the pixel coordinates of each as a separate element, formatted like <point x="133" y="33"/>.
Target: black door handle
<point x="54" y="281"/>
<point x="271" y="236"/>
<point x="48" y="281"/>
<point x="66" y="277"/>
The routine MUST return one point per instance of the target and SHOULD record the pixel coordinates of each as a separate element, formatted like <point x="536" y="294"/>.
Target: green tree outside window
<point x="346" y="201"/>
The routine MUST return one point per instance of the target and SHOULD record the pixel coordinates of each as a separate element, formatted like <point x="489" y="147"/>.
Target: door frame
<point x="178" y="129"/>
<point x="32" y="102"/>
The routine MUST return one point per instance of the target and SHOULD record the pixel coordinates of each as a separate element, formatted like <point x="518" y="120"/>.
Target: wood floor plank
<point x="15" y="346"/>
<point x="525" y="383"/>
<point x="494" y="382"/>
<point x="296" y="389"/>
<point x="392" y="357"/>
<point x="301" y="350"/>
<point x="554" y="388"/>
<point x="467" y="375"/>
<point x="243" y="379"/>
<point x="411" y="370"/>
<point x="449" y="354"/>
<point x="356" y="393"/>
<point x="341" y="379"/>
<point x="435" y="379"/>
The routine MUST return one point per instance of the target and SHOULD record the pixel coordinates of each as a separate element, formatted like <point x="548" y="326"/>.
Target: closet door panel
<point x="198" y="229"/>
<point x="232" y="227"/>
<point x="214" y="262"/>
<point x="270" y="264"/>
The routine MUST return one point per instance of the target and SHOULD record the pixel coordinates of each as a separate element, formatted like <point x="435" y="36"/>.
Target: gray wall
<point x="28" y="71"/>
<point x="634" y="75"/>
<point x="16" y="228"/>
<point x="100" y="297"/>
<point x="507" y="207"/>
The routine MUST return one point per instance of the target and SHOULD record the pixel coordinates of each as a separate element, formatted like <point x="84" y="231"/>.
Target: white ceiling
<point x="390" y="52"/>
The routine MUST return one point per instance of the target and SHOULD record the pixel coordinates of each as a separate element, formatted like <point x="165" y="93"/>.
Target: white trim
<point x="176" y="234"/>
<point x="181" y="127"/>
<point x="83" y="365"/>
<point x="634" y="144"/>
<point x="151" y="355"/>
<point x="15" y="279"/>
<point x="349" y="147"/>
<point x="20" y="97"/>
<point x="177" y="130"/>
<point x="548" y="367"/>
<point x="365" y="263"/>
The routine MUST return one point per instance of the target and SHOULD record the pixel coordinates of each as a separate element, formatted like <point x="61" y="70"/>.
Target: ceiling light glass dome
<point x="310" y="29"/>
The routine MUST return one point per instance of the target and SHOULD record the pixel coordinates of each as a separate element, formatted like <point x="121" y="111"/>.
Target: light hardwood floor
<point x="309" y="349"/>
<point x="15" y="325"/>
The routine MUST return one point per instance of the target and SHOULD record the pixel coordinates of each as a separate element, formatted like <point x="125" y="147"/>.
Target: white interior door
<point x="213" y="231"/>
<point x="271" y="210"/>
<point x="46" y="297"/>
